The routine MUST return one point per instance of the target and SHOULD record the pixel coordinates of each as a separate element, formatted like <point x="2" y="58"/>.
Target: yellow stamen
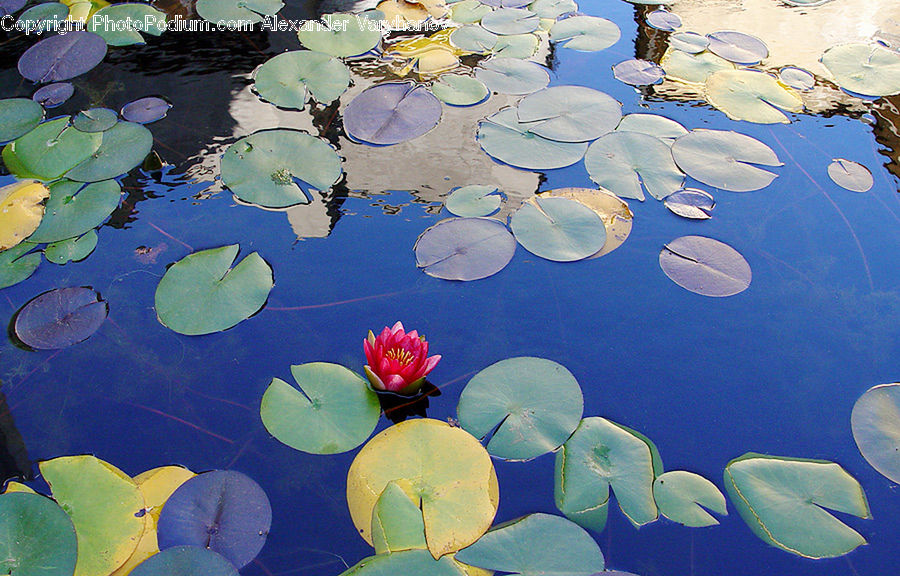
<point x="400" y="355"/>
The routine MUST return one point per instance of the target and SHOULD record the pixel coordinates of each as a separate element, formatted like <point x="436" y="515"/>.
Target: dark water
<point x="775" y="369"/>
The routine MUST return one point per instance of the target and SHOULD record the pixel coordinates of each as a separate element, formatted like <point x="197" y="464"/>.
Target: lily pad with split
<point x="516" y="46"/>
<point x="469" y="12"/>
<point x="53" y="95"/>
<point x="636" y="72"/>
<point x="122" y="24"/>
<point x="705" y="266"/>
<point x="185" y="561"/>
<point x="614" y="212"/>
<point x="253" y="11"/>
<point x="465" y="249"/>
<point x="689" y="42"/>
<point x="224" y="511"/>
<point x="21" y="210"/>
<point x="512" y="76"/>
<point x="474" y="201"/>
<point x="72" y="249"/>
<point x="473" y="39"/>
<point x="558" y="229"/>
<point x="585" y="33"/>
<point x="38" y="537"/>
<point x="122" y="148"/>
<point x="288" y="79"/>
<point x="95" y="120"/>
<point x="342" y="35"/>
<point x="61" y="57"/>
<point x="506" y="21"/>
<point x="868" y="69"/>
<point x="737" y="47"/>
<point x="683" y="497"/>
<point x="391" y="113"/>
<point x="74" y="208"/>
<point x="525" y="406"/>
<point x="50" y="150"/>
<point x="458" y="90"/>
<point x="875" y="422"/>
<point x="655" y="125"/>
<point x="725" y="160"/>
<point x="627" y="163"/>
<point x="691" y="203"/>
<point x="752" y="96"/>
<point x="60" y="318"/>
<point x="692" y="68"/>
<point x="397" y="522"/>
<point x="797" y="78"/>
<point x="569" y="113"/>
<point x="18" y="116"/>
<point x="146" y="110"/>
<point x="17" y="264"/>
<point x="503" y="137"/>
<point x="553" y="9"/>
<point x="406" y="562"/>
<point x="664" y="20"/>
<point x="850" y="175"/>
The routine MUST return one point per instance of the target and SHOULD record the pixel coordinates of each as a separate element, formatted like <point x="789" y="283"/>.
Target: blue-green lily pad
<point x="512" y="76"/>
<point x="875" y="421"/>
<point x="185" y="561"/>
<point x="123" y="147"/>
<point x="18" y="116"/>
<point x="660" y="127"/>
<point x="474" y="201"/>
<point x="682" y="497"/>
<point x="253" y="11"/>
<point x="559" y="229"/>
<point x="868" y="69"/>
<point x="553" y="9"/>
<point x="725" y="160"/>
<point x="286" y="79"/>
<point x="503" y="137"/>
<point x="627" y="163"/>
<point x="38" y="537"/>
<point x="569" y="113"/>
<point x="516" y="46"/>
<point x="44" y="17"/>
<point x="458" y="90"/>
<point x="122" y="24"/>
<point x="473" y="39"/>
<point x="341" y="35"/>
<point x="50" y="150"/>
<point x="95" y="120"/>
<point x="17" y="264"/>
<point x="407" y="562"/>
<point x="585" y="33"/>
<point x="469" y="11"/>
<point x="71" y="250"/>
<point x="74" y="208"/>
<point x="510" y="21"/>
<point x="465" y="249"/>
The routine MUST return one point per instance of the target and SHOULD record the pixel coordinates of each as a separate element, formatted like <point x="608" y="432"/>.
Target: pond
<point x="711" y="352"/>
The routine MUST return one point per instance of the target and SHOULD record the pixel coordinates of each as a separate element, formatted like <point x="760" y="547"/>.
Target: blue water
<point x="775" y="369"/>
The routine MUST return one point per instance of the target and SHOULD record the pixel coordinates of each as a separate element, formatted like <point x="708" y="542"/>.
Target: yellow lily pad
<point x="752" y="96"/>
<point x="21" y="211"/>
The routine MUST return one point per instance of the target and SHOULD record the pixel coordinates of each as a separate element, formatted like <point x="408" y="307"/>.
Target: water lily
<point x="398" y="361"/>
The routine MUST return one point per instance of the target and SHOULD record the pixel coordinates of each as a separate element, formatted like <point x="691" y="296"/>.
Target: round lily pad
<point x="785" y="502"/>
<point x="469" y="11"/>
<point x="122" y="148"/>
<point x="53" y="95"/>
<point x="689" y="42"/>
<point x="406" y="562"/>
<point x="122" y="24"/>
<point x="8" y="7"/>
<point x="465" y="249"/>
<point x="876" y="428"/>
<point x="585" y="33"/>
<point x="636" y="72"/>
<point x="725" y="160"/>
<point x="391" y="113"/>
<point x="74" y="208"/>
<point x="44" y="17"/>
<point x="553" y="9"/>
<point x="569" y="113"/>
<point x="626" y="163"/>
<point x="516" y="46"/>
<point x="507" y="3"/>
<point x="38" y="537"/>
<point x="61" y="57"/>
<point x="869" y="69"/>
<point x="146" y="110"/>
<point x="737" y="47"/>
<point x="72" y="249"/>
<point x="253" y="11"/>
<point x="528" y="406"/>
<point x="202" y="293"/>
<point x="850" y="175"/>
<point x="60" y="318"/>
<point x="332" y="412"/>
<point x="664" y="20"/>
<point x="450" y="477"/>
<point x="559" y="229"/>
<point x="224" y="511"/>
<point x="752" y="96"/>
<point x="95" y="120"/>
<point x="614" y="212"/>
<point x="273" y="168"/>
<point x="17" y="264"/>
<point x="50" y="150"/>
<point x="285" y="79"/>
<point x="683" y="66"/>
<point x="797" y="78"/>
<point x="474" y="201"/>
<point x="185" y="561"/>
<point x="705" y="266"/>
<point x="503" y="137"/>
<point x="18" y="116"/>
<point x="536" y="545"/>
<point x="510" y="21"/>
<point x="458" y="90"/>
<point x="691" y="203"/>
<point x="21" y="210"/>
<point x="341" y="35"/>
<point x="655" y="125"/>
<point x="512" y="76"/>
<point x="473" y="39"/>
<point x="683" y="496"/>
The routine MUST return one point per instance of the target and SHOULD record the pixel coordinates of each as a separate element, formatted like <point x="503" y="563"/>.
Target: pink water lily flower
<point x="398" y="361"/>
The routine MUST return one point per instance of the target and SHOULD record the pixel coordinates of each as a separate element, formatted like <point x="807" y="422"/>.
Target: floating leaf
<point x="536" y="545"/>
<point x="752" y="96"/>
<point x="512" y="76"/>
<point x="122" y="24"/>
<point x="585" y="33"/>
<point x="60" y="318"/>
<point x="869" y="69"/>
<point x="474" y="39"/>
<point x="406" y="562"/>
<point x="691" y="203"/>
<point x="569" y="113"/>
<point x="17" y="264"/>
<point x="689" y="42"/>
<point x="614" y="212"/>
<point x="469" y="12"/>
<point x="53" y="95"/>
<point x="692" y="68"/>
<point x="50" y="150"/>
<point x="473" y="201"/>
<point x="503" y="137"/>
<point x="285" y="79"/>
<point x="725" y="160"/>
<point x="599" y="455"/>
<point x="516" y="46"/>
<point x="224" y="511"/>
<point x="664" y="20"/>
<point x="341" y="35"/>
<point x="510" y="21"/>
<point x="185" y="561"/>
<point x="8" y="7"/>
<point x="465" y="249"/>
<point x="797" y="78"/>
<point x="737" y="47"/>
<point x="784" y="501"/>
<point x="74" y="208"/>
<point x="105" y="506"/>
<point x="45" y="17"/>
<point x="682" y="497"/>
<point x="661" y="127"/>
<point x="705" y="266"/>
<point x="18" y="116"/>
<point x="876" y="428"/>
<point x="21" y="210"/>
<point x="332" y="412"/>
<point x="397" y="522"/>
<point x="402" y="14"/>
<point x="202" y="294"/>
<point x="391" y="113"/>
<point x="458" y="90"/>
<point x="253" y="11"/>
<point x="95" y="120"/>
<point x="507" y="3"/>
<point x="267" y="168"/>
<point x="146" y="110"/>
<point x="559" y="229"/>
<point x="71" y="250"/>
<point x="528" y="406"/>
<point x="850" y="175"/>
<point x="123" y="147"/>
<point x="637" y="72"/>
<point x="456" y="486"/>
<point x="553" y="9"/>
<point x="624" y="161"/>
<point x="38" y="537"/>
<point x="653" y="2"/>
<point x="61" y="57"/>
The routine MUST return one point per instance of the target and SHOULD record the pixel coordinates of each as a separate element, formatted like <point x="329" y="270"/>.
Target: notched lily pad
<point x="60" y="318"/>
<point x="504" y="138"/>
<point x="638" y="72"/>
<point x="74" y="208"/>
<point x="465" y="249"/>
<point x="391" y="113"/>
<point x="53" y="95"/>
<point x="61" y="57"/>
<point x="737" y="47"/>
<point x="752" y="96"/>
<point x="287" y="79"/>
<point x="585" y="33"/>
<point x="691" y="203"/>
<point x="850" y="175"/>
<point x="72" y="249"/>
<point x="146" y="110"/>
<point x="725" y="160"/>
<point x="17" y="264"/>
<point x="611" y="209"/>
<point x="683" y="497"/>
<point x="559" y="229"/>
<point x="569" y="113"/>
<point x="875" y="421"/>
<point x="626" y="163"/>
<point x="474" y="201"/>
<point x="705" y="266"/>
<point x="868" y="69"/>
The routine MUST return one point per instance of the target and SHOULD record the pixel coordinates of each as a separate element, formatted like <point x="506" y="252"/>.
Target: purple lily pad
<point x="146" y="110"/>
<point x="53" y="95"/>
<point x="62" y="57"/>
<point x="638" y="72"/>
<point x="664" y="20"/>
<point x="737" y="47"/>
<point x="224" y="511"/>
<point x="465" y="248"/>
<point x="705" y="266"/>
<point x="9" y="7"/>
<point x="391" y="113"/>
<point x="59" y="318"/>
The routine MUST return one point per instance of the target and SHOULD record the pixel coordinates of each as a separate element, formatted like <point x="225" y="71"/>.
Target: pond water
<point x="775" y="369"/>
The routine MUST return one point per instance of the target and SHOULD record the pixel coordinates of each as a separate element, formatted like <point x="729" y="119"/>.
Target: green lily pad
<point x="474" y="39"/>
<point x="626" y="163"/>
<point x="285" y="79"/>
<point x="95" y="120"/>
<point x="601" y="455"/>
<point x="725" y="159"/>
<point x="18" y="116"/>
<point x="868" y="69"/>
<point x="690" y="68"/>
<point x="50" y="150"/>
<point x="553" y="8"/>
<point x="875" y="421"/>
<point x="74" y="208"/>
<point x="17" y="264"/>
<point x="469" y="12"/>
<point x="124" y="146"/>
<point x="332" y="412"/>
<point x="44" y="17"/>
<point x="850" y="175"/>
<point x="397" y="522"/>
<point x="72" y="249"/>
<point x="185" y="561"/>
<point x="516" y="46"/>
<point x="458" y="90"/>
<point x="536" y="545"/>
<point x="503" y="137"/>
<point x="253" y="11"/>
<point x="419" y="562"/>
<point x="585" y="33"/>
<point x="784" y="501"/>
<point x="505" y="21"/>
<point x="122" y="24"/>
<point x="38" y="537"/>
<point x="512" y="76"/>
<point x="264" y="168"/>
<point x="474" y="201"/>
<point x="558" y="229"/>
<point x="752" y="96"/>
<point x="661" y="127"/>
<point x="202" y="293"/>
<point x="105" y="506"/>
<point x="529" y="406"/>
<point x="453" y="480"/>
<point x="569" y="113"/>
<point x="682" y="497"/>
<point x="341" y="35"/>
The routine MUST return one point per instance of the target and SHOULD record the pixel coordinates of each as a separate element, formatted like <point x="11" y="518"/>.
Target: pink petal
<point x="395" y="383"/>
<point x="430" y="364"/>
